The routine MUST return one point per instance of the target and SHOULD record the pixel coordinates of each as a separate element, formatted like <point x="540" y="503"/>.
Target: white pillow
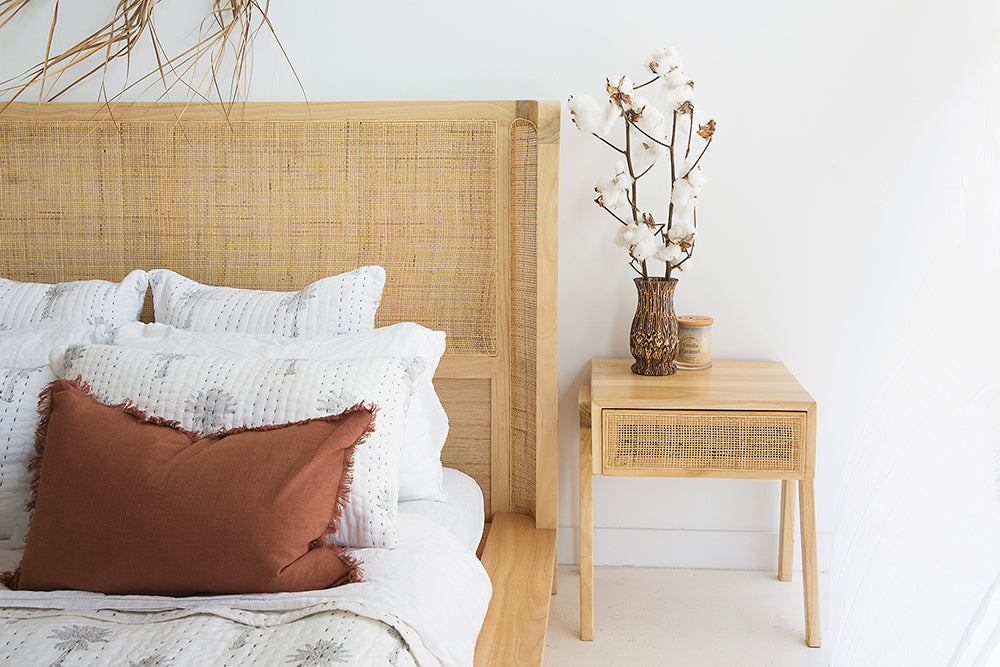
<point x="94" y="302"/>
<point x="24" y="372"/>
<point x="19" y="389"/>
<point x="336" y="305"/>
<point x="29" y="347"/>
<point x="421" y="474"/>
<point x="211" y="394"/>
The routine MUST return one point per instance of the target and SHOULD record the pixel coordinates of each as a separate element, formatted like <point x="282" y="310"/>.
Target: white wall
<point x="835" y="168"/>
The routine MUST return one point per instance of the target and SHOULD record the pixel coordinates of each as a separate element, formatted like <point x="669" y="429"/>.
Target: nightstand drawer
<point x="646" y="441"/>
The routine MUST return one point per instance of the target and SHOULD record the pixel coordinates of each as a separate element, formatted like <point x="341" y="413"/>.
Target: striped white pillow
<point x="93" y="302"/>
<point x="344" y="303"/>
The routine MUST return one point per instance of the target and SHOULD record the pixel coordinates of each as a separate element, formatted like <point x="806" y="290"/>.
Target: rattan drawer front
<point x="753" y="442"/>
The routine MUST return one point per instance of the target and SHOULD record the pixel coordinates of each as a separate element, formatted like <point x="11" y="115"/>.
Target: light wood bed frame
<point x="457" y="200"/>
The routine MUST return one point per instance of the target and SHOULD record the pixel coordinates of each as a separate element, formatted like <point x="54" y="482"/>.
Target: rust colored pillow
<point x="128" y="506"/>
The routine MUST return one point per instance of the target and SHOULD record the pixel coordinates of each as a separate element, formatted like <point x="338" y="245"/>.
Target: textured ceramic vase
<point x="654" y="338"/>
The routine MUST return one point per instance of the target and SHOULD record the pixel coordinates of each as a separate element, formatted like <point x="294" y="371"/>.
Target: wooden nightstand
<point x="738" y="419"/>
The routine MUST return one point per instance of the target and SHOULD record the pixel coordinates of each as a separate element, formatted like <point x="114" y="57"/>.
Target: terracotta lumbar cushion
<point x="128" y="505"/>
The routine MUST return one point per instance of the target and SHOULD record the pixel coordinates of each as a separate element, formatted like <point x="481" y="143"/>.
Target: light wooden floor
<point x="691" y="618"/>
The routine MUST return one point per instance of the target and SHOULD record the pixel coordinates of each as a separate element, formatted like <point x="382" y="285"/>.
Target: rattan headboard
<point x="457" y="200"/>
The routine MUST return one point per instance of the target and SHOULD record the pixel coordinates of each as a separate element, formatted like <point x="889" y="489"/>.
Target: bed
<point x="456" y="200"/>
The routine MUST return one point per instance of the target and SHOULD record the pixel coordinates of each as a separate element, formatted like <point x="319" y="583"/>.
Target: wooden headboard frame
<point x="457" y="200"/>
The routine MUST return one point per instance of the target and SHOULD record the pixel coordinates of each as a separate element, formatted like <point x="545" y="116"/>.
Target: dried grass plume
<point x="217" y="68"/>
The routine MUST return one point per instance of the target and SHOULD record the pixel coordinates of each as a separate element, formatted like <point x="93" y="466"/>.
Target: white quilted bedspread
<point x="422" y="603"/>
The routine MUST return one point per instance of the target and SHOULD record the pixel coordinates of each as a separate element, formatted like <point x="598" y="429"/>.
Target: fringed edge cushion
<point x="126" y="503"/>
<point x="212" y="394"/>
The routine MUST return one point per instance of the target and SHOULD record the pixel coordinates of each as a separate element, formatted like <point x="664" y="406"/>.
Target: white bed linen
<point x="462" y="513"/>
<point x="430" y="589"/>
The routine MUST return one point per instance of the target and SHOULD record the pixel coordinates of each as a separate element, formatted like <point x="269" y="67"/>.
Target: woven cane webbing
<point x="524" y="163"/>
<point x="264" y="205"/>
<point x="753" y="441"/>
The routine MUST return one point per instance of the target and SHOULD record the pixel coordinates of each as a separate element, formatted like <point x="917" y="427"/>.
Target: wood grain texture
<point x="503" y="110"/>
<point x="810" y="568"/>
<point x="786" y="531"/>
<point x="547" y="318"/>
<point x="586" y="520"/>
<point x="728" y="385"/>
<point x="467" y="404"/>
<point x="519" y="559"/>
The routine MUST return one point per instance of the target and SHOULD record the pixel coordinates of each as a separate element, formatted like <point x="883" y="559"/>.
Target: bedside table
<point x="738" y="419"/>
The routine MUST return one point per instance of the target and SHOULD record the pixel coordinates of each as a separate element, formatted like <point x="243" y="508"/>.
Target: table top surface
<point x="728" y="385"/>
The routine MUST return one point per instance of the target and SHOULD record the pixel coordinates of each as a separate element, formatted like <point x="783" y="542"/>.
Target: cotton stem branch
<point x="608" y="143"/>
<point x="670" y="193"/>
<point x="647" y="135"/>
<point x="687" y="151"/>
<point x="631" y="173"/>
<point x="705" y="148"/>
<point x="610" y="212"/>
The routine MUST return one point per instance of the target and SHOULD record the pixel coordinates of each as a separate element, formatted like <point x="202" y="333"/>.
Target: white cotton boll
<point x="652" y="122"/>
<point x="684" y="163"/>
<point x="646" y="151"/>
<point x="621" y="178"/>
<point x="624" y="84"/>
<point x="620" y="234"/>
<point x="611" y="116"/>
<point x="681" y="194"/>
<point x="647" y="245"/>
<point x="635" y="233"/>
<point x="676" y="78"/>
<point x="612" y="196"/>
<point x="669" y="253"/>
<point x="696" y="178"/>
<point x="677" y="96"/>
<point x="661" y="60"/>
<point x="612" y="189"/>
<point x="681" y="223"/>
<point x="647" y="155"/>
<point x="586" y="113"/>
<point x="590" y="116"/>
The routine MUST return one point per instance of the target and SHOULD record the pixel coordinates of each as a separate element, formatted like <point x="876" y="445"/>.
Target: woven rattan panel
<point x="747" y="441"/>
<point x="264" y="205"/>
<point x="524" y="164"/>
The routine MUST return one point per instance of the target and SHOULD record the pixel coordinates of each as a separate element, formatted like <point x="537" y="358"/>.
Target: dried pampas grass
<point x="225" y="43"/>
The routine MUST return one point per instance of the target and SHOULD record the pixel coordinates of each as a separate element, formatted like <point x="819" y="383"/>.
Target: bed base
<point x="521" y="561"/>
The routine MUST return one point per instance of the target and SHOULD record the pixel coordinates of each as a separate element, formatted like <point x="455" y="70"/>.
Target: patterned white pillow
<point x="339" y="304"/>
<point x="421" y="474"/>
<point x="24" y="372"/>
<point x="93" y="302"/>
<point x="19" y="389"/>
<point x="210" y="394"/>
<point x="30" y="347"/>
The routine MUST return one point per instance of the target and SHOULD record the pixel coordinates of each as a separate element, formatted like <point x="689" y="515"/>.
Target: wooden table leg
<point x="786" y="539"/>
<point x="586" y="521"/>
<point x="810" y="575"/>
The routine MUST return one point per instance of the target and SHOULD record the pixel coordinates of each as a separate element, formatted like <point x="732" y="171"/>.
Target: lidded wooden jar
<point x="695" y="350"/>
